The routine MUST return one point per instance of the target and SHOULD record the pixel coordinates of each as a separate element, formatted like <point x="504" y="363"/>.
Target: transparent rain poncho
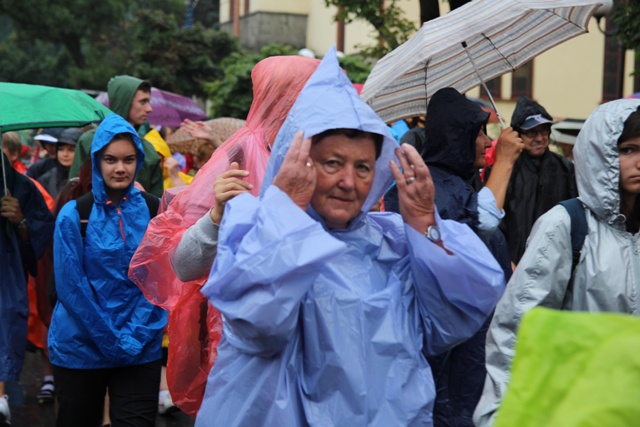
<point x="195" y="326"/>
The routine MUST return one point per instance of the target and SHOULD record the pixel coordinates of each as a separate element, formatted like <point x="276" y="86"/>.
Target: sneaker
<point x="165" y="403"/>
<point x="5" y="415"/>
<point x="47" y="392"/>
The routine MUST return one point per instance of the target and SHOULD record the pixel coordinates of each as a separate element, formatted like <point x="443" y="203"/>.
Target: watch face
<point x="433" y="233"/>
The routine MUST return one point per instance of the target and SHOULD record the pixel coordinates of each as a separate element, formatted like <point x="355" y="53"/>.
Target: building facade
<point x="570" y="80"/>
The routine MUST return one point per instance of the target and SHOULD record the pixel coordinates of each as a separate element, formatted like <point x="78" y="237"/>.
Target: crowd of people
<point x="319" y="268"/>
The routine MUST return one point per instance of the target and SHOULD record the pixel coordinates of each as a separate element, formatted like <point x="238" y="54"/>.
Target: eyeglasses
<point x="531" y="133"/>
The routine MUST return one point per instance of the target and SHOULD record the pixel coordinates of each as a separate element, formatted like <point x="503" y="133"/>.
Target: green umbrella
<point x="24" y="106"/>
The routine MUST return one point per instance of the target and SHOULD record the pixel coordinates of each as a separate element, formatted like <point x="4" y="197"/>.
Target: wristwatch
<point x="22" y="224"/>
<point x="433" y="234"/>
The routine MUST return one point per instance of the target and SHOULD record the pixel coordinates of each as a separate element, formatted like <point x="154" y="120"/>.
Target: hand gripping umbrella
<point x="476" y="42"/>
<point x="24" y="106"/>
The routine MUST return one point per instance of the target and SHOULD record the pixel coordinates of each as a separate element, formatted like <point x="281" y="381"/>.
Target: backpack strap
<point x="153" y="202"/>
<point x="579" y="228"/>
<point x="84" y="204"/>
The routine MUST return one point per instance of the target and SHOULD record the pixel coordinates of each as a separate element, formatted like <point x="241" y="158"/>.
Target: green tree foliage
<point x="81" y="44"/>
<point x="626" y="16"/>
<point x="65" y="22"/>
<point x="391" y="27"/>
<point x="356" y="67"/>
<point x="174" y="58"/>
<point x="627" y="20"/>
<point x="231" y="95"/>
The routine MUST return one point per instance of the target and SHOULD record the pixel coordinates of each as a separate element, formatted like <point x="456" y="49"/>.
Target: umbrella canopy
<point x="169" y="109"/>
<point x="24" y="106"/>
<point x="221" y="128"/>
<point x="499" y="35"/>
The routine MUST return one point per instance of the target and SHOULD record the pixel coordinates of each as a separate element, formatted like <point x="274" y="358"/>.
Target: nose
<point x="120" y="167"/>
<point x="149" y="108"/>
<point x="347" y="179"/>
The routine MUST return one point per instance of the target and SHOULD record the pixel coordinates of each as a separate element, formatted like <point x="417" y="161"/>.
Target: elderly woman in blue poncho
<point x="327" y="307"/>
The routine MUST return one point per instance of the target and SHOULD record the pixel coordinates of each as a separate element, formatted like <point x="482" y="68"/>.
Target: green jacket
<point x="121" y="90"/>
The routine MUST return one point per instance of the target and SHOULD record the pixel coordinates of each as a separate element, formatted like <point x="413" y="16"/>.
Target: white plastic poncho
<point x="327" y="327"/>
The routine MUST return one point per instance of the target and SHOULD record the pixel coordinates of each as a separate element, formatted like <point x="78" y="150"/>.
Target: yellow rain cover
<point x="154" y="137"/>
<point x="574" y="369"/>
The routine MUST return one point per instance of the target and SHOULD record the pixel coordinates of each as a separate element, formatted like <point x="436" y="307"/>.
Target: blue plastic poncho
<point x="17" y="258"/>
<point x="102" y="320"/>
<point x="327" y="327"/>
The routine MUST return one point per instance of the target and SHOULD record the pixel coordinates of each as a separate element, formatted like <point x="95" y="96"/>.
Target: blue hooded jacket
<point x="102" y="319"/>
<point x="327" y="327"/>
<point x="19" y="257"/>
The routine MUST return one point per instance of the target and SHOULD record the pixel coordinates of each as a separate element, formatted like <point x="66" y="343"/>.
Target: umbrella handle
<point x="464" y="46"/>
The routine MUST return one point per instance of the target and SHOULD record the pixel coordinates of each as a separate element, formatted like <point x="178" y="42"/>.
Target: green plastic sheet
<point x="574" y="369"/>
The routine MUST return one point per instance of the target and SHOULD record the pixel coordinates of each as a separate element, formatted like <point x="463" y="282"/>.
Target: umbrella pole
<point x="4" y="174"/>
<point x="464" y="46"/>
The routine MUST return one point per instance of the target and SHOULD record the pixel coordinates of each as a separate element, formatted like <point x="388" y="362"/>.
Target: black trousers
<point x="133" y="395"/>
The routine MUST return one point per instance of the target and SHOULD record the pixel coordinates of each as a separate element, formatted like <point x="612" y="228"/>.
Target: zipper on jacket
<point x="109" y="202"/>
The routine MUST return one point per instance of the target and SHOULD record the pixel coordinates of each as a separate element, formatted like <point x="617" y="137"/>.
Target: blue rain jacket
<point x="102" y="319"/>
<point x="16" y="259"/>
<point x="327" y="327"/>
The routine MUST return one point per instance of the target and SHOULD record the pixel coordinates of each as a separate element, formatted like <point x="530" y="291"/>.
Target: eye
<point x="109" y="160"/>
<point x="332" y="165"/>
<point x="363" y="170"/>
<point x="130" y="160"/>
<point x="628" y="149"/>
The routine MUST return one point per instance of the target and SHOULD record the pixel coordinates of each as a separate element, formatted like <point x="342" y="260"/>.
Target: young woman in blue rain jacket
<point x="326" y="314"/>
<point x="104" y="334"/>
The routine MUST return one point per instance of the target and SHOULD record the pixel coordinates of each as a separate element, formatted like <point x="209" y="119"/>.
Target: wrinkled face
<point x="536" y="140"/>
<point x="482" y="143"/>
<point x="630" y="166"/>
<point x="345" y="170"/>
<point x="65" y="154"/>
<point x="118" y="164"/>
<point x="140" y="108"/>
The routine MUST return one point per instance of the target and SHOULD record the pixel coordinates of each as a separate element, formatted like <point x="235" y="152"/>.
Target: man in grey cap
<point x="48" y="139"/>
<point x="540" y="177"/>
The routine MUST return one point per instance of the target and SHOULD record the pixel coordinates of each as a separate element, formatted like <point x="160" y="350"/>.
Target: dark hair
<point x="124" y="135"/>
<point x="352" y="134"/>
<point x="631" y="127"/>
<point x="145" y="86"/>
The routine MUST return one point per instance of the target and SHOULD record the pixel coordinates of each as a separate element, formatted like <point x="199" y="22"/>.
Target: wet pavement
<point x="27" y="412"/>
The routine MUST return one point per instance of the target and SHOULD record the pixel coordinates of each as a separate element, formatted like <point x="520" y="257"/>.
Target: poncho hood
<point x="597" y="158"/>
<point x="329" y="101"/>
<point x="453" y="124"/>
<point x="526" y="107"/>
<point x="121" y="90"/>
<point x="111" y="126"/>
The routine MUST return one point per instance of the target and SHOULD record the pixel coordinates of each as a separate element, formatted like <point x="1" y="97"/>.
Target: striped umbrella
<point x="476" y="42"/>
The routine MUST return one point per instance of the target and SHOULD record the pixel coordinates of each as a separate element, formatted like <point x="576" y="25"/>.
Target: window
<point x="522" y="82"/>
<point x="495" y="88"/>
<point x="612" y="79"/>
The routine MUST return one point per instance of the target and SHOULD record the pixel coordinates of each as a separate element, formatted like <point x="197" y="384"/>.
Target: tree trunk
<point x="73" y="46"/>
<point x="454" y="4"/>
<point x="429" y="9"/>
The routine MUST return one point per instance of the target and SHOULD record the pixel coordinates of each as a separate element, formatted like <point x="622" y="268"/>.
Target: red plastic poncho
<point x="195" y="327"/>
